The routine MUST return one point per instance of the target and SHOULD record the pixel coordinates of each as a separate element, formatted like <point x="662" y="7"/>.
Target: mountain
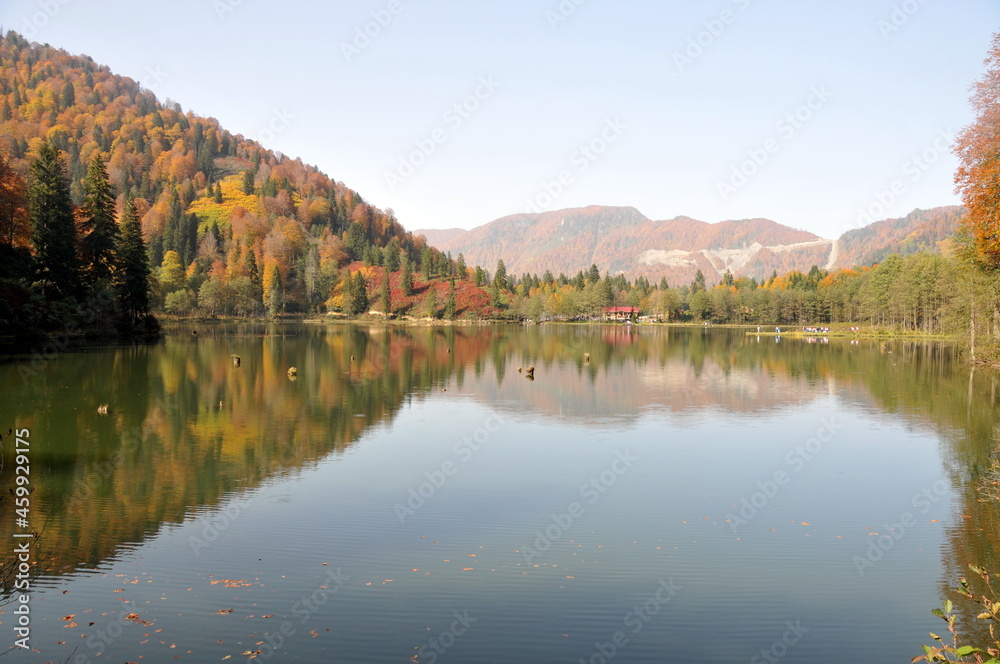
<point x="258" y="228"/>
<point x="921" y="230"/>
<point x="440" y="236"/>
<point x="623" y="240"/>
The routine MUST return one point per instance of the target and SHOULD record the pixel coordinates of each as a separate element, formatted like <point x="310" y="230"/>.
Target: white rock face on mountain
<point x="733" y="260"/>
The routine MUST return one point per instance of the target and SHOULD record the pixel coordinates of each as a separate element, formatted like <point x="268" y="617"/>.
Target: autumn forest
<point x="104" y="188"/>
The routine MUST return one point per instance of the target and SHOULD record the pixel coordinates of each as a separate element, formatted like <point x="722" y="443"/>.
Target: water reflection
<point x="188" y="427"/>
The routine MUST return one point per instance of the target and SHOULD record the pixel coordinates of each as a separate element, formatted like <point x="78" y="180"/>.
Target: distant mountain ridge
<point x="623" y="240"/>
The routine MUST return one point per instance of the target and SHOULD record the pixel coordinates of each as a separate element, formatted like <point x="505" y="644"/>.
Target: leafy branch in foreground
<point x="966" y="653"/>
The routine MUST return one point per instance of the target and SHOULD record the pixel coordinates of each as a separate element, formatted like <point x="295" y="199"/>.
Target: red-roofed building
<point x="620" y="313"/>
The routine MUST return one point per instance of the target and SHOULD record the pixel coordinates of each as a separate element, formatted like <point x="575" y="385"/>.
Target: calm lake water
<point x="686" y="495"/>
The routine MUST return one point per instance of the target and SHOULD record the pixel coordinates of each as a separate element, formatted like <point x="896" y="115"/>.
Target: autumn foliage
<point x="978" y="176"/>
<point x="231" y="211"/>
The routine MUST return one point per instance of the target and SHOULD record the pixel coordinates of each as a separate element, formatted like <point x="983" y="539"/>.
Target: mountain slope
<point x="215" y="206"/>
<point x="921" y="230"/>
<point x="623" y="240"/>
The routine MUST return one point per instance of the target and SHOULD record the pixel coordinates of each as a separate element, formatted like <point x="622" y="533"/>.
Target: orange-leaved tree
<point x="978" y="176"/>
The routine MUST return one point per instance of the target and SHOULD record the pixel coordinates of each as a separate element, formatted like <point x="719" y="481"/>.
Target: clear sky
<point x="456" y="113"/>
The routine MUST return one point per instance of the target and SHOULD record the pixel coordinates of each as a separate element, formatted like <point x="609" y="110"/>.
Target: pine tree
<point x="172" y="232"/>
<point x="427" y="263"/>
<point x="392" y="255"/>
<point x="248" y="181"/>
<point x="133" y="270"/>
<point x="699" y="282"/>
<point x="461" y="267"/>
<point x="500" y="279"/>
<point x="254" y="273"/>
<point x="99" y="222"/>
<point x="407" y="283"/>
<point x="356" y="242"/>
<point x="68" y="95"/>
<point x="218" y="194"/>
<point x="430" y="303"/>
<point x="358" y="302"/>
<point x="449" y="305"/>
<point x="605" y="293"/>
<point x="53" y="227"/>
<point x="274" y="290"/>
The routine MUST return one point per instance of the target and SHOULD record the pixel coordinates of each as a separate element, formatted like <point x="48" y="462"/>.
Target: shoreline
<point x="841" y="331"/>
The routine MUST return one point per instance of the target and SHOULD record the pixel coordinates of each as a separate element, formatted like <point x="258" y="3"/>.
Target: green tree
<point x="274" y="289"/>
<point x="172" y="276"/>
<point x="430" y="303"/>
<point x="356" y="295"/>
<point x="68" y="95"/>
<point x="605" y="293"/>
<point x="179" y="303"/>
<point x="98" y="223"/>
<point x="248" y="181"/>
<point x="500" y="278"/>
<point x="407" y="281"/>
<point x="392" y="256"/>
<point x="699" y="282"/>
<point x="699" y="305"/>
<point x="133" y="270"/>
<point x="461" y="268"/>
<point x="253" y="272"/>
<point x="449" y="305"/>
<point x="212" y="296"/>
<point x="53" y="229"/>
<point x="356" y="241"/>
<point x="427" y="262"/>
<point x="245" y="297"/>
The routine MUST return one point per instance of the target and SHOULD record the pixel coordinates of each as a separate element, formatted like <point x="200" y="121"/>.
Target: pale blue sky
<point x="886" y="81"/>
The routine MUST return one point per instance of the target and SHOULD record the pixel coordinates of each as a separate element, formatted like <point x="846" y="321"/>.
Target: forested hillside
<point x="261" y="230"/>
<point x="928" y="231"/>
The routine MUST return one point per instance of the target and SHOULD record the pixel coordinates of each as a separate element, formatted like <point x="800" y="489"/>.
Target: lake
<point x="684" y="494"/>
